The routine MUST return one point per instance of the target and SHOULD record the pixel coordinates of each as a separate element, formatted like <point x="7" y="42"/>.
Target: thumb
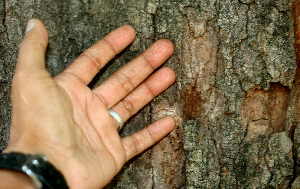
<point x="33" y="47"/>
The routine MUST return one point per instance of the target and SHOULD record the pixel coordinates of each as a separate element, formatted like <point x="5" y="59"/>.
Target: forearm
<point x="14" y="180"/>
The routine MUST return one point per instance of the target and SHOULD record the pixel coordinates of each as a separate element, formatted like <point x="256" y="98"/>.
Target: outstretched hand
<point x="68" y="122"/>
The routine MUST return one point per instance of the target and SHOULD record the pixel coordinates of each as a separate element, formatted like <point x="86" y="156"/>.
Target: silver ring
<point x="117" y="118"/>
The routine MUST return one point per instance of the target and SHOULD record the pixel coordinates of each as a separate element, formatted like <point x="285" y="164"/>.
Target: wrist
<point x="54" y="157"/>
<point x="13" y="179"/>
<point x="33" y="149"/>
<point x="42" y="173"/>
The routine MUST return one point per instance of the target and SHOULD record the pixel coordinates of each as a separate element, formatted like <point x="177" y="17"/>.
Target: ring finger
<point x="144" y="93"/>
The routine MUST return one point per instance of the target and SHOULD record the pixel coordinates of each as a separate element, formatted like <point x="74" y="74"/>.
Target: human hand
<point x="69" y="123"/>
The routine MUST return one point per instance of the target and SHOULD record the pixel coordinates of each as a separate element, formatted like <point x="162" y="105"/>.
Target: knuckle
<point x="101" y="98"/>
<point x="135" y="144"/>
<point x="148" y="63"/>
<point x="110" y="46"/>
<point x="150" y="134"/>
<point x="93" y="59"/>
<point x="125" y="82"/>
<point x="150" y="91"/>
<point x="129" y="106"/>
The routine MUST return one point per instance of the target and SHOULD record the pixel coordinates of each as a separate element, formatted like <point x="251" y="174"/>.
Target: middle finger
<point x="123" y="81"/>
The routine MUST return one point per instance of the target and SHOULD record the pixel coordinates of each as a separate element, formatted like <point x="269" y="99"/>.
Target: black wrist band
<point x="44" y="175"/>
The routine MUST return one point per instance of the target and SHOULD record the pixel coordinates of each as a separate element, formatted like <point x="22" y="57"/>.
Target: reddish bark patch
<point x="297" y="104"/>
<point x="264" y="112"/>
<point x="296" y="15"/>
<point x="255" y="105"/>
<point x="192" y="103"/>
<point x="279" y="97"/>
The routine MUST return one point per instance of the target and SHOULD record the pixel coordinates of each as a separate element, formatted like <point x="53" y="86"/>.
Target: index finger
<point x="88" y="64"/>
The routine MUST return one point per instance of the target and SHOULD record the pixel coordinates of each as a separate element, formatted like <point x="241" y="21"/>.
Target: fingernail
<point x="30" y="26"/>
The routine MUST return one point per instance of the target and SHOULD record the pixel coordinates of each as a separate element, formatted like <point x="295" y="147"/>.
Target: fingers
<point x="123" y="81"/>
<point x="33" y="48"/>
<point x="144" y="93"/>
<point x="143" y="139"/>
<point x="88" y="64"/>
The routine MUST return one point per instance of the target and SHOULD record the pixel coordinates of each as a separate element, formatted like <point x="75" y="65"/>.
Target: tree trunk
<point x="237" y="95"/>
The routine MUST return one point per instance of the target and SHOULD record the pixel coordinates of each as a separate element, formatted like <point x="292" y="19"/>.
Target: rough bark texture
<point x="237" y="95"/>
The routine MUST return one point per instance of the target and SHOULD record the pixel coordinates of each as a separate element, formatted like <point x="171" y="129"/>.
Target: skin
<point x="68" y="122"/>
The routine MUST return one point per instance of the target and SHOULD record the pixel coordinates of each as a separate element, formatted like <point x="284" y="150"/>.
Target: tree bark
<point x="237" y="95"/>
